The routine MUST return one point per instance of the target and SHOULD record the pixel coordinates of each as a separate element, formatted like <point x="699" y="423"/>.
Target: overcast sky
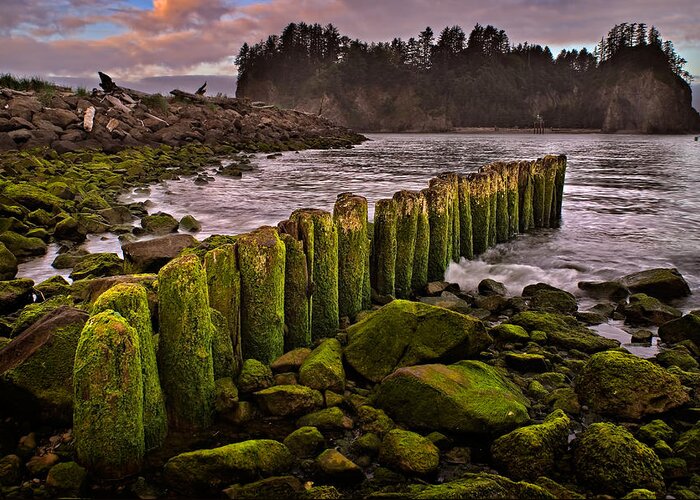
<point x="137" y="39"/>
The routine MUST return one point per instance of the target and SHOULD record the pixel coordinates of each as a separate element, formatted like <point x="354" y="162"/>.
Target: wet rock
<point x="611" y="290"/>
<point x="327" y="419"/>
<point x="39" y="465"/>
<point x="466" y="397"/>
<point x="688" y="447"/>
<point x="323" y="368"/>
<point x="678" y="356"/>
<point x="286" y="400"/>
<point x="33" y="197"/>
<point x="488" y="287"/>
<point x="190" y="224"/>
<point x="15" y="294"/>
<point x="623" y="385"/>
<point x="69" y="259"/>
<point x="226" y="395"/>
<point x="535" y="450"/>
<point x="206" y="471"/>
<point x="69" y="229"/>
<point x="291" y="360"/>
<point x="305" y="442"/>
<point x="406" y="333"/>
<point x="437" y="287"/>
<point x="645" y="310"/>
<point x="116" y="215"/>
<point x="8" y="263"/>
<point x="527" y="362"/>
<point x="10" y="470"/>
<point x="337" y="467"/>
<point x="680" y="329"/>
<point x="90" y="289"/>
<point x="660" y="283"/>
<point x="150" y="255"/>
<point x="609" y="460"/>
<point x="21" y="246"/>
<point x="367" y="444"/>
<point x="409" y="452"/>
<point x="160" y="223"/>
<point x="448" y="300"/>
<point x="483" y="486"/>
<point x="255" y="376"/>
<point x="505" y="333"/>
<point x="558" y="301"/>
<point x="271" y="487"/>
<point x="98" y="265"/>
<point x="531" y="290"/>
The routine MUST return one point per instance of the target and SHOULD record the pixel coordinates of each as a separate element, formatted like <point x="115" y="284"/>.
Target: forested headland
<point x="632" y="81"/>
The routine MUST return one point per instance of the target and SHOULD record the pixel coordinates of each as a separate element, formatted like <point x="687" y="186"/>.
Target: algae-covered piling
<point x="296" y="297"/>
<point x="480" y="203"/>
<point x="419" y="276"/>
<point x="440" y="249"/>
<point x="408" y="204"/>
<point x="384" y="263"/>
<point x="466" y="247"/>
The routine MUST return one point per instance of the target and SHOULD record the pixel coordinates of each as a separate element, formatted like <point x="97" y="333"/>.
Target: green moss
<point x="454" y="239"/>
<point x="609" y="460"/>
<point x="226" y="399"/>
<point x="684" y="328"/>
<point x="328" y="418"/>
<point x="98" y="265"/>
<point x="185" y="357"/>
<point x="69" y="229"/>
<point x="559" y="188"/>
<point x="440" y="241"/>
<point x="419" y="276"/>
<point x="404" y="333"/>
<point x="21" y="246"/>
<point x="224" y="288"/>
<point x="108" y="390"/>
<point x="33" y="312"/>
<point x="644" y="310"/>
<point x="350" y="217"/>
<point x="272" y="487"/>
<point x="209" y="470"/>
<point x="305" y="442"/>
<point x="466" y="248"/>
<point x="297" y="317"/>
<point x="66" y="479"/>
<point x="502" y="219"/>
<point x="384" y="247"/>
<point x="254" y="376"/>
<point x="367" y="444"/>
<point x="538" y="193"/>
<point x="483" y="486"/>
<point x="190" y="224"/>
<point x="526" y="216"/>
<point x="493" y="213"/>
<point x="654" y="431"/>
<point x="640" y="494"/>
<point x="558" y="490"/>
<point x="8" y="263"/>
<point x="34" y="197"/>
<point x="511" y="178"/>
<point x="130" y="300"/>
<point x="407" y="207"/>
<point x="623" y="385"/>
<point x="160" y="223"/>
<point x="479" y="196"/>
<point x="323" y="368"/>
<point x="221" y="348"/>
<point x="286" y="400"/>
<point x="466" y="397"/>
<point x="509" y="333"/>
<point x="409" y="452"/>
<point x="261" y="260"/>
<point x="535" y="450"/>
<point x="688" y="447"/>
<point x="549" y="190"/>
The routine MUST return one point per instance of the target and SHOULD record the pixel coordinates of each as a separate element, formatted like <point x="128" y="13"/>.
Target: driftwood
<point x="202" y="90"/>
<point x="107" y="83"/>
<point x="89" y="118"/>
<point x="186" y="95"/>
<point x="118" y="104"/>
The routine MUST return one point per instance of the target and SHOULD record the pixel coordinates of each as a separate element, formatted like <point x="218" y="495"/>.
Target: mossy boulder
<point x="290" y="360"/>
<point x="466" y="397"/>
<point x="645" y="310"/>
<point x="328" y="419"/>
<point x="404" y="333"/>
<point x="131" y="301"/>
<point x="505" y="333"/>
<point x="8" y="263"/>
<point x="21" y="246"/>
<point x="558" y="301"/>
<point x="662" y="283"/>
<point x="482" y="486"/>
<point x="98" y="265"/>
<point x="323" y="368"/>
<point x="284" y="400"/>
<point x="688" y="447"/>
<point x="34" y="312"/>
<point x="305" y="442"/>
<point x="160" y="223"/>
<point x="680" y="329"/>
<point x="409" y="452"/>
<point x="33" y="197"/>
<point x="207" y="471"/>
<point x="15" y="294"/>
<point x="36" y="368"/>
<point x="10" y="470"/>
<point x="149" y="256"/>
<point x="66" y="479"/>
<point x="623" y="385"/>
<point x="69" y="229"/>
<point x="254" y="376"/>
<point x="656" y="430"/>
<point x="678" y="356"/>
<point x="609" y="460"/>
<point x="534" y="450"/>
<point x="226" y="398"/>
<point x="108" y="392"/>
<point x="563" y="331"/>
<point x="93" y="201"/>
<point x="190" y="224"/>
<point x="271" y="487"/>
<point x="339" y="468"/>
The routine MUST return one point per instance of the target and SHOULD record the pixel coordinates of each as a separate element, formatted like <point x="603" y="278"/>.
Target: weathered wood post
<point x="385" y="247"/>
<point x="454" y="249"/>
<point x="502" y="218"/>
<point x="526" y="217"/>
<point x="512" y="175"/>
<point x="408" y="204"/>
<point x="559" y="182"/>
<point x="493" y="210"/>
<point x="480" y="203"/>
<point x="439" y="217"/>
<point x="297" y="307"/>
<point x="538" y="193"/>
<point x="419" y="277"/>
<point x="466" y="246"/>
<point x="550" y="175"/>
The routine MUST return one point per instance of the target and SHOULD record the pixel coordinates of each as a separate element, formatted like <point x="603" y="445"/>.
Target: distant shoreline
<point x="512" y="130"/>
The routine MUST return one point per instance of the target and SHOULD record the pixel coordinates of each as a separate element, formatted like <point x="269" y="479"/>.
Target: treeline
<point x="479" y="79"/>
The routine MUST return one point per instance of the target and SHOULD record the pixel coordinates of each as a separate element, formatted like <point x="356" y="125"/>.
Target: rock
<point x="406" y="333"/>
<point x="206" y="471"/>
<point x="558" y="490"/>
<point x="10" y="470"/>
<point x="255" y="376"/>
<point x="526" y="362"/>
<point x="39" y="465"/>
<point x="92" y="223"/>
<point x="116" y="215"/>
<point x="36" y="368"/>
<point x="327" y="419"/>
<point x="8" y="264"/>
<point x="34" y="312"/>
<point x="659" y="283"/>
<point x="449" y="301"/>
<point x="291" y="360"/>
<point x="466" y="397"/>
<point x="409" y="452"/>
<point x="69" y="259"/>
<point x="323" y="368"/>
<point x="305" y="442"/>
<point x="226" y="395"/>
<point x="59" y="117"/>
<point x="190" y="224"/>
<point x="33" y="197"/>
<point x="645" y="310"/>
<point x="271" y="487"/>
<point x="535" y="450"/>
<point x="611" y="290"/>
<point x="368" y="444"/>
<point x="160" y="223"/>
<point x="15" y="294"/>
<point x="680" y="329"/>
<point x="437" y="287"/>
<point x="488" y="287"/>
<point x="98" y="265"/>
<point x="93" y="201"/>
<point x="505" y="333"/>
<point x="69" y="229"/>
<point x="483" y="486"/>
<point x="338" y="467"/>
<point x="531" y="290"/>
<point x="642" y="337"/>
<point x="21" y="246"/>
<point x="66" y="479"/>
<point x="563" y="331"/>
<point x="609" y="460"/>
<point x="89" y="290"/>
<point x="688" y="447"/>
<point x="150" y="255"/>
<point x="285" y="400"/>
<point x="678" y="356"/>
<point x="108" y="394"/>
<point x="656" y="430"/>
<point x="558" y="301"/>
<point x="623" y="385"/>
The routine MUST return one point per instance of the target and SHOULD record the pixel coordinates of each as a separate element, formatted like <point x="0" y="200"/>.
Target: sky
<point x="156" y="43"/>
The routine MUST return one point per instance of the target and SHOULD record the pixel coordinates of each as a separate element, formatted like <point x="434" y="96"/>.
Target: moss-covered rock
<point x="226" y="395"/>
<point x="93" y="201"/>
<point x="21" y="246"/>
<point x="350" y="217"/>
<point x="559" y="301"/>
<point x="34" y="312"/>
<point x="98" y="265"/>
<point x="563" y="331"/>
<point x="656" y="430"/>
<point x="527" y="362"/>
<point x="33" y="197"/>
<point x="208" y="470"/>
<point x="662" y="283"/>
<point x="533" y="451"/>
<point x="367" y="444"/>
<point x="108" y="392"/>
<point x="254" y="376"/>
<point x="607" y="459"/>
<point x="10" y="470"/>
<point x="69" y="229"/>
<point x="679" y="356"/>
<point x="466" y="397"/>
<point x="271" y="487"/>
<point x="160" y="223"/>
<point x="680" y="329"/>
<point x="305" y="442"/>
<point x="406" y="333"/>
<point x="190" y="224"/>
<point x="290" y="361"/>
<point x="409" y="452"/>
<point x="688" y="447"/>
<point x="482" y="486"/>
<point x="645" y="310"/>
<point x="640" y="494"/>
<point x="130" y="300"/>
<point x="15" y="294"/>
<point x="328" y="418"/>
<point x="284" y="400"/>
<point x="8" y="263"/>
<point x="185" y="357"/>
<point x="558" y="490"/>
<point x="66" y="479"/>
<point x="337" y="467"/>
<point x="505" y="333"/>
<point x="623" y="385"/>
<point x="323" y="368"/>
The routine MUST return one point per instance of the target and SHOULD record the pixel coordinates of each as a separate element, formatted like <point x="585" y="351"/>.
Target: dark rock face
<point x="660" y="283"/>
<point x="150" y="255"/>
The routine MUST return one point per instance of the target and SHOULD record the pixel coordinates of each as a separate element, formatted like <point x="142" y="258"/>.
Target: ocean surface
<point x="631" y="202"/>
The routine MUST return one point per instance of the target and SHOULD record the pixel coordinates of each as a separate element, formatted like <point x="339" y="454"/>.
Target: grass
<point x="156" y="102"/>
<point x="25" y="84"/>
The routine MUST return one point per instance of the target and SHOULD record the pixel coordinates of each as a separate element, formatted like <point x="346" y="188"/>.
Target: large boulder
<point x="36" y="368"/>
<point x="404" y="333"/>
<point x="21" y="246"/>
<point x="284" y="400"/>
<point x="645" y="310"/>
<point x="680" y="329"/>
<point x="160" y="223"/>
<point x="150" y="255"/>
<point x="534" y="450"/>
<point x="323" y="368"/>
<point x="482" y="485"/>
<point x="660" y="283"/>
<point x="409" y="452"/>
<point x="466" y="397"/>
<point x="563" y="331"/>
<point x="609" y="460"/>
<point x="15" y="294"/>
<point x="625" y="386"/>
<point x="8" y="263"/>
<point x="98" y="265"/>
<point x="206" y="471"/>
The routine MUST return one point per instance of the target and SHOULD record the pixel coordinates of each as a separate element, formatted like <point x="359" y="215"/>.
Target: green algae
<point x="409" y="452"/>
<point x="479" y="193"/>
<point x="297" y="319"/>
<point x="466" y="247"/>
<point x="385" y="247"/>
<point x="323" y="368"/>
<point x="419" y="275"/>
<point x="407" y="207"/>
<point x="440" y="241"/>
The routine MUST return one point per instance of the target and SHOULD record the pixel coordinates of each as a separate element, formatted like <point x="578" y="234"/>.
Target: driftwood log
<point x="107" y="83"/>
<point x="202" y="90"/>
